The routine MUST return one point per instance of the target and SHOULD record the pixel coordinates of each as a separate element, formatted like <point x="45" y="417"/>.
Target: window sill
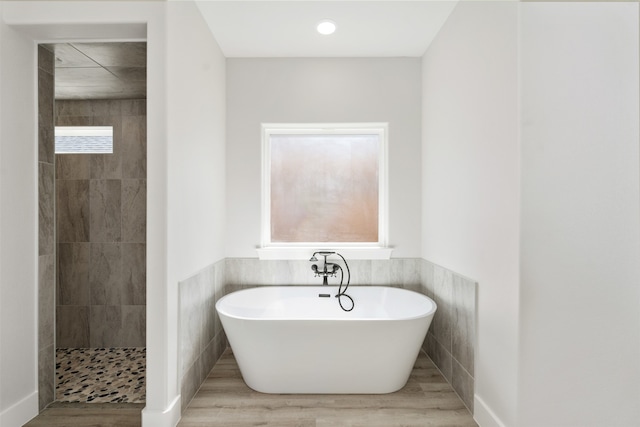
<point x="304" y="253"/>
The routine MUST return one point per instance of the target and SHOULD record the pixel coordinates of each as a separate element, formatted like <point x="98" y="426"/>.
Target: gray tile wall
<point x="450" y="342"/>
<point x="202" y="339"/>
<point x="248" y="272"/>
<point x="101" y="229"/>
<point x="46" y="228"/>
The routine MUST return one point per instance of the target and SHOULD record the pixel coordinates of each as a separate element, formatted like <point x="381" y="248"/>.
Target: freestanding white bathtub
<point x="289" y="339"/>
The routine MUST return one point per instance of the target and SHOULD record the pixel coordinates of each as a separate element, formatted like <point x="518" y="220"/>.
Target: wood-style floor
<point x="225" y="400"/>
<point x="65" y="414"/>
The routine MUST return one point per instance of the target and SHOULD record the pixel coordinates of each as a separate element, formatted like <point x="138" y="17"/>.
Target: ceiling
<point x="254" y="29"/>
<point x="100" y="70"/>
<point x="287" y="28"/>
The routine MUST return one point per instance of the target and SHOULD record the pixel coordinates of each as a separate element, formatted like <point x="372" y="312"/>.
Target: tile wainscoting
<point x="450" y="342"/>
<point x="202" y="339"/>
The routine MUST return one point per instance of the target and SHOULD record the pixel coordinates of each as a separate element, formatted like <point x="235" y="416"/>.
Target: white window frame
<point x="351" y="250"/>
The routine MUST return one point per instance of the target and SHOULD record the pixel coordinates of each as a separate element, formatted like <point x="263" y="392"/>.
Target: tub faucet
<point x="332" y="271"/>
<point x="329" y="268"/>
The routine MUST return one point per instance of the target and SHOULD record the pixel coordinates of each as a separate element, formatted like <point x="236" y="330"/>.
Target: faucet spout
<point x="326" y="271"/>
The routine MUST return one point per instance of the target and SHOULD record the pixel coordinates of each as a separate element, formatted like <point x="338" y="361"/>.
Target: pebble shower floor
<point x="100" y="375"/>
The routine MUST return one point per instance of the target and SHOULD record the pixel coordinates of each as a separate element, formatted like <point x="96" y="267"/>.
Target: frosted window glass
<point x="324" y="188"/>
<point x="84" y="139"/>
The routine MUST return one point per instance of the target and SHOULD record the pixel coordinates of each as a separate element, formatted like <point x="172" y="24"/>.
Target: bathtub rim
<point x="427" y="314"/>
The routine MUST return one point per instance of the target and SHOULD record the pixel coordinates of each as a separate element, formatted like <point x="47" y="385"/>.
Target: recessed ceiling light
<point x="326" y="27"/>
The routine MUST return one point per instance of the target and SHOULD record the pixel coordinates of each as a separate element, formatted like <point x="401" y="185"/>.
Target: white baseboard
<point x="20" y="413"/>
<point x="168" y="417"/>
<point x="483" y="415"/>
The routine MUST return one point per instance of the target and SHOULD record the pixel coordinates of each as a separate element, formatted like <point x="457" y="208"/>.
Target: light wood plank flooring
<point x="65" y="414"/>
<point x="225" y="400"/>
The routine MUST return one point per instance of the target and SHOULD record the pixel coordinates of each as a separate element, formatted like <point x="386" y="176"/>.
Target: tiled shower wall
<point x="450" y="341"/>
<point x="101" y="230"/>
<point x="46" y="228"/>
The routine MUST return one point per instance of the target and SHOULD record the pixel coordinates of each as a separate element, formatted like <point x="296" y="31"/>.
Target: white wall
<point x="470" y="184"/>
<point x="18" y="229"/>
<point x="196" y="157"/>
<point x="186" y="172"/>
<point x="580" y="280"/>
<point x="322" y="90"/>
<point x="531" y="185"/>
<point x="196" y="107"/>
<point x="25" y="23"/>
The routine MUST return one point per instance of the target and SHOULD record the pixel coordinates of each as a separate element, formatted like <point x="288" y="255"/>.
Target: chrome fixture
<point x="330" y="269"/>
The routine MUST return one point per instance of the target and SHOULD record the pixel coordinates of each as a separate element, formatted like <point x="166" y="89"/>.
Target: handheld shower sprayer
<point x="325" y="254"/>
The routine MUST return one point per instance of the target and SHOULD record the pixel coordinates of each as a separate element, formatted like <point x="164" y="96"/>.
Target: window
<point x="84" y="139"/>
<point x="324" y="186"/>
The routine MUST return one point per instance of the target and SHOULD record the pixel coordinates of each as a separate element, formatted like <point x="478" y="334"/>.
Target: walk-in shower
<point x="99" y="222"/>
